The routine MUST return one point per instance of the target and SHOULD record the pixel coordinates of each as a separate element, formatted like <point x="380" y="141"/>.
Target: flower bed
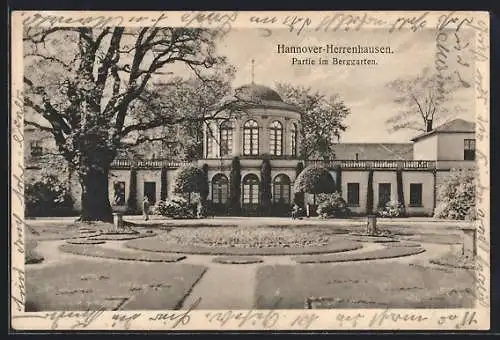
<point x="252" y="237"/>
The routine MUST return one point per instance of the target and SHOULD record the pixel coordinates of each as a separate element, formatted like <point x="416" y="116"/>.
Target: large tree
<point x="322" y="119"/>
<point x="84" y="86"/>
<point x="423" y="99"/>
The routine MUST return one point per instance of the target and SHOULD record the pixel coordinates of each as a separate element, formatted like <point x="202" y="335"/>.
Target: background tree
<point x="85" y="86"/>
<point x="423" y="99"/>
<point x="322" y="119"/>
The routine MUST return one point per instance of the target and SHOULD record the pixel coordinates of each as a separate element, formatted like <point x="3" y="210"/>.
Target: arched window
<point x="250" y="189"/>
<point x="250" y="138"/>
<point x="281" y="189"/>
<point x="220" y="188"/>
<point x="276" y="138"/>
<point x="293" y="139"/>
<point x="226" y="139"/>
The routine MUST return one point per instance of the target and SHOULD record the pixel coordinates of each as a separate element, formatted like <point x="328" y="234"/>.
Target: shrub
<point x="457" y="196"/>
<point x="187" y="179"/>
<point x="235" y="187"/>
<point x="315" y="180"/>
<point x="332" y="205"/>
<point x="175" y="207"/>
<point x="47" y="197"/>
<point x="392" y="209"/>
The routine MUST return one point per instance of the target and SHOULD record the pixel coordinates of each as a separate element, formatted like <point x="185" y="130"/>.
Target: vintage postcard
<point x="250" y="171"/>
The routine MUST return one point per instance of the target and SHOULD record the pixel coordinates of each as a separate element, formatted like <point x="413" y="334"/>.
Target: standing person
<point x="145" y="207"/>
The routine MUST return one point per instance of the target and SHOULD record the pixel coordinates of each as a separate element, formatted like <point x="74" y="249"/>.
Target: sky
<point x="363" y="88"/>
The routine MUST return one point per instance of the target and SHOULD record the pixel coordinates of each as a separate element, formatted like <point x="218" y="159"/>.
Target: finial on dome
<point x="253" y="71"/>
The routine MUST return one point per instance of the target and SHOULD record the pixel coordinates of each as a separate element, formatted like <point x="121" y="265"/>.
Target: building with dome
<point x="263" y="128"/>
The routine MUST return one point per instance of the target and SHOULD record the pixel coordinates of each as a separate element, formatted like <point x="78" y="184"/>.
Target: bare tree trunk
<point x="95" y="195"/>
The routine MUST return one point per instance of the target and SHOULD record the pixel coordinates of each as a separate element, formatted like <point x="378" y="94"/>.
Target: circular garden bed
<point x="246" y="241"/>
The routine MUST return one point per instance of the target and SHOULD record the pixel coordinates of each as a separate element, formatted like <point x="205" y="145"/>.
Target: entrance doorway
<point x="150" y="192"/>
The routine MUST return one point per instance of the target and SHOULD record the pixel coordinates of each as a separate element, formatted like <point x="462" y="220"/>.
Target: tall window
<point x="469" y="149"/>
<point x="251" y="189"/>
<point x="250" y="138"/>
<point x="276" y="138"/>
<point x="226" y="138"/>
<point x="220" y="188"/>
<point x="384" y="194"/>
<point x="281" y="189"/>
<point x="353" y="194"/>
<point x="416" y="194"/>
<point x="36" y="148"/>
<point x="293" y="136"/>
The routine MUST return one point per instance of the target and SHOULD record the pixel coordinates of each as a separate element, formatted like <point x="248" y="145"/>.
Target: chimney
<point x="428" y="128"/>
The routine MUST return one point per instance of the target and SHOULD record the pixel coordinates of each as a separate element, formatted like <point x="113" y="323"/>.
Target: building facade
<point x="267" y="128"/>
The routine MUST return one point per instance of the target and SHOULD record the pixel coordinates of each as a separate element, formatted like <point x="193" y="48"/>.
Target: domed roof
<point x="258" y="92"/>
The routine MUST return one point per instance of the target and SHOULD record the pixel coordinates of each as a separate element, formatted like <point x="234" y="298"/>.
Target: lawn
<point x="360" y="285"/>
<point x="84" y="285"/>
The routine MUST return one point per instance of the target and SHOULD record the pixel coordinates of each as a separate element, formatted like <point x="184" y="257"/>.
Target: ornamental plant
<point x="391" y="209"/>
<point x="175" y="207"/>
<point x="47" y="197"/>
<point x="332" y="205"/>
<point x="457" y="196"/>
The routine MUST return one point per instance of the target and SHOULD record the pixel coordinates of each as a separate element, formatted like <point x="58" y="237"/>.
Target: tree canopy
<point x="96" y="91"/>
<point x="422" y="98"/>
<point x="322" y="119"/>
<point x="188" y="179"/>
<point x="315" y="180"/>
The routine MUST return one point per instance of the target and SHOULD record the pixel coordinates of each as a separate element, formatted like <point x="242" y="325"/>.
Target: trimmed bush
<point x="457" y="196"/>
<point x="47" y="197"/>
<point x="392" y="209"/>
<point x="265" y="187"/>
<point x="332" y="205"/>
<point x="164" y="184"/>
<point x="175" y="207"/>
<point x="235" y="187"/>
<point x="369" y="194"/>
<point x="188" y="179"/>
<point x="298" y="197"/>
<point x="315" y="180"/>
<point x="132" y="197"/>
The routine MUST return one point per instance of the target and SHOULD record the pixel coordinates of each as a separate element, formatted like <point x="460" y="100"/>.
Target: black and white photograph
<point x="242" y="165"/>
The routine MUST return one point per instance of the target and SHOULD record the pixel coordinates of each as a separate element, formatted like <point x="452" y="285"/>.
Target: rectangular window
<point x="150" y="192"/>
<point x="36" y="148"/>
<point x="416" y="194"/>
<point x="353" y="194"/>
<point x="384" y="194"/>
<point x="210" y="145"/>
<point x="469" y="149"/>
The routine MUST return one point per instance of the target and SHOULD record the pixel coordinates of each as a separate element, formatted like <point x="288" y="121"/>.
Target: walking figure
<point x="145" y="207"/>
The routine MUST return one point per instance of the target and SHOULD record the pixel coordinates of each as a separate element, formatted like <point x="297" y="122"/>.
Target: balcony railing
<point x="343" y="164"/>
<point x="374" y="164"/>
<point x="145" y="164"/>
